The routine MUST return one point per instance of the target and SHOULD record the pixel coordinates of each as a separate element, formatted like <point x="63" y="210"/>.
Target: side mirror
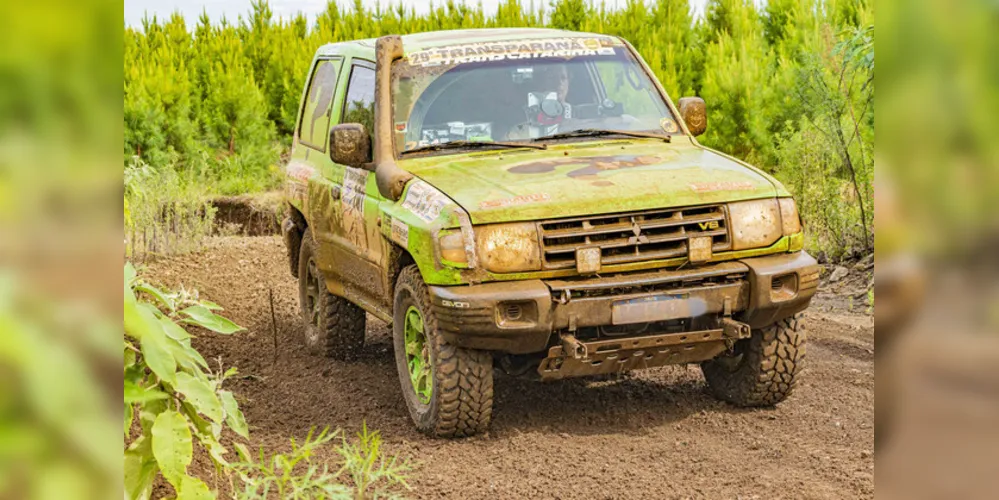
<point x="350" y="145"/>
<point x="694" y="114"/>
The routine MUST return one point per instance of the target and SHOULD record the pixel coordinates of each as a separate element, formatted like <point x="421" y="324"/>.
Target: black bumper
<point x="519" y="317"/>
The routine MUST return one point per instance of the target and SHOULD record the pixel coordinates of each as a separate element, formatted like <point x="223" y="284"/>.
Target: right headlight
<point x="508" y="248"/>
<point x="755" y="223"/>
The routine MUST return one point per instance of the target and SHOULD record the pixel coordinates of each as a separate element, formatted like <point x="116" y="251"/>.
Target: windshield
<point x="522" y="90"/>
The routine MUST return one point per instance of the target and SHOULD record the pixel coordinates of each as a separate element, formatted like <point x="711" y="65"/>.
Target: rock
<point x="839" y="273"/>
<point x="868" y="261"/>
<point x="865" y="454"/>
<point x="822" y="258"/>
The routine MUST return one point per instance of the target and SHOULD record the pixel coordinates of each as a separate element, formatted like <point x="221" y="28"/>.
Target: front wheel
<point x="448" y="389"/>
<point x="761" y="370"/>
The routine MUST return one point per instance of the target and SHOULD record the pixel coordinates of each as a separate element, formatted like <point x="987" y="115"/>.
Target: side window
<point x="314" y="127"/>
<point x="359" y="106"/>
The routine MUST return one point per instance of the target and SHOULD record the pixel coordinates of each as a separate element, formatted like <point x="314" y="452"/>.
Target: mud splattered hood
<point x="577" y="179"/>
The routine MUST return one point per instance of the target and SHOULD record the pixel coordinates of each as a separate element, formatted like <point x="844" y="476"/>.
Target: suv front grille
<point x="633" y="237"/>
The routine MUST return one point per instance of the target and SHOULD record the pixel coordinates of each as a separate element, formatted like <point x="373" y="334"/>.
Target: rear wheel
<point x="448" y="390"/>
<point x="763" y="369"/>
<point x="333" y="325"/>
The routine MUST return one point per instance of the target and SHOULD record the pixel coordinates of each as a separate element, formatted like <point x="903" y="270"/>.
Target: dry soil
<point x="650" y="434"/>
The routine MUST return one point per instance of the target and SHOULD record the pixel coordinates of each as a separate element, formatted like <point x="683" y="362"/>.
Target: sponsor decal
<point x="512" y="50"/>
<point x="297" y="177"/>
<point x="703" y="187"/>
<point x="455" y="304"/>
<point x="424" y="201"/>
<point x="352" y="198"/>
<point x="400" y="233"/>
<point x="516" y="200"/>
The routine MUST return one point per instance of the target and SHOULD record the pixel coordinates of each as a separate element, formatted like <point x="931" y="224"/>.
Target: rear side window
<point x="360" y="103"/>
<point x="314" y="127"/>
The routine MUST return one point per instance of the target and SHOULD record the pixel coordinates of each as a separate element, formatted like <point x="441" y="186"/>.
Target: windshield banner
<point x="520" y="49"/>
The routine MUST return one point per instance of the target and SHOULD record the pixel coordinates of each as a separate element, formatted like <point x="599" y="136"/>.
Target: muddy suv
<point x="531" y="201"/>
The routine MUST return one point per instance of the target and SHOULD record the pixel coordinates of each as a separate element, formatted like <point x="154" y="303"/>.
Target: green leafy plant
<point x="298" y="475"/>
<point x="373" y="476"/>
<point x="173" y="399"/>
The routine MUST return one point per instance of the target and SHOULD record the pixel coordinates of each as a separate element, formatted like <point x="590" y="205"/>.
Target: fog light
<point x="523" y="314"/>
<point x="783" y="287"/>
<point x="513" y="312"/>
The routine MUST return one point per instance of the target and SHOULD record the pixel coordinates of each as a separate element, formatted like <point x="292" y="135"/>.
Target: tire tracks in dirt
<point x="653" y="433"/>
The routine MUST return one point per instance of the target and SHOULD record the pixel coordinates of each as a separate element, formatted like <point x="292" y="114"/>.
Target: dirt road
<point x="651" y="434"/>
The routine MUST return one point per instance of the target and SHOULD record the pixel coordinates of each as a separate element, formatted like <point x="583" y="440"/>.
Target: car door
<point x="313" y="179"/>
<point x="352" y="257"/>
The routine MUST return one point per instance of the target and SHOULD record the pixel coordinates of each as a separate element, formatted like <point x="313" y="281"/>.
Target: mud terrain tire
<point x="764" y="368"/>
<point x="461" y="397"/>
<point x="333" y="326"/>
<point x="293" y="242"/>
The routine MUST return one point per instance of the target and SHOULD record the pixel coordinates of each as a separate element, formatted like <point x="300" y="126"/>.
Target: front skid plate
<point x="632" y="353"/>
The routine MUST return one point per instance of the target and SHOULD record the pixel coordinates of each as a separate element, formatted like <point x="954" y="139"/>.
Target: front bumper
<point x="519" y="317"/>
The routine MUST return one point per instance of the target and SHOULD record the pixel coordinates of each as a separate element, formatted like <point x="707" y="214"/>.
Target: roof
<point x="432" y="39"/>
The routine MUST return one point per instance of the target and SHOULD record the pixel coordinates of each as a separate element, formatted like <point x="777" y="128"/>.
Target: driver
<point x="546" y="103"/>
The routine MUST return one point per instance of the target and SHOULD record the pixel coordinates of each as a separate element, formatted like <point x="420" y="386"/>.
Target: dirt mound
<point x="653" y="433"/>
<point x="247" y="215"/>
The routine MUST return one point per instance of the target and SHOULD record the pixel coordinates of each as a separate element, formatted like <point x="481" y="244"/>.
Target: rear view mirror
<point x="694" y="113"/>
<point x="350" y="145"/>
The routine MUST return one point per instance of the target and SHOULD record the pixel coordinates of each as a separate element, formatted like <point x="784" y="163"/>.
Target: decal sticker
<point x="401" y="127"/>
<point x="516" y="200"/>
<point x="455" y="304"/>
<point x="456" y="131"/>
<point x="297" y="180"/>
<point x="669" y="126"/>
<point x="354" y="182"/>
<point x="400" y="233"/>
<point x="703" y="187"/>
<point x="424" y="201"/>
<point x="515" y="50"/>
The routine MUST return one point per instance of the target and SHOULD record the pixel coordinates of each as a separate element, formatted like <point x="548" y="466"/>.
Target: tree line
<point x="789" y="87"/>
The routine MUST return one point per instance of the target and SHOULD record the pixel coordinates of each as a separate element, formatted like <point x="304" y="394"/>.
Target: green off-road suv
<point x="532" y="201"/>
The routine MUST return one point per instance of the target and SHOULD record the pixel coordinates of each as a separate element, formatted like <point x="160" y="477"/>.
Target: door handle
<point x="335" y="192"/>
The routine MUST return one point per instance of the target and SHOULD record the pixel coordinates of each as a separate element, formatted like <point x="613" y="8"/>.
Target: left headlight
<point x="755" y="223"/>
<point x="508" y="248"/>
<point x="789" y="218"/>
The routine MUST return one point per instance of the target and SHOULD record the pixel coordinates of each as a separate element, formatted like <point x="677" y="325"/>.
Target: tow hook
<point x="734" y="330"/>
<point x="570" y="344"/>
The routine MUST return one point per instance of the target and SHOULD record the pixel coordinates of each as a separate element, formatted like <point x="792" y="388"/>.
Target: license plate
<point x="649" y="309"/>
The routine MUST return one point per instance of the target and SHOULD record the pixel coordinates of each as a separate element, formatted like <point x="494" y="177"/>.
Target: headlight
<point x="755" y="223"/>
<point x="508" y="248"/>
<point x="452" y="246"/>
<point x="789" y="216"/>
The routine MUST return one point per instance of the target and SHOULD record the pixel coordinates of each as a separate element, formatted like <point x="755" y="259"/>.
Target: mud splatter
<point x="589" y="167"/>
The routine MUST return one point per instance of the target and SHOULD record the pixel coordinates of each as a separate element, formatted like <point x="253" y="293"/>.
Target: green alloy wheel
<point x="418" y="355"/>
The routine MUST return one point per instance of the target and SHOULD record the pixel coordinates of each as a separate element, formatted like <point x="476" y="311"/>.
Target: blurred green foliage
<point x="938" y="155"/>
<point x="789" y="87"/>
<point x="55" y="430"/>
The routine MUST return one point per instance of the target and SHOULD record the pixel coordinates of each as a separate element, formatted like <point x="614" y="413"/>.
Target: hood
<point x="579" y="179"/>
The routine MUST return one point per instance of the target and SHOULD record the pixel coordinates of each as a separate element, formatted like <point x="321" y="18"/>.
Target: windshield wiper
<point x="593" y="132"/>
<point x="473" y="144"/>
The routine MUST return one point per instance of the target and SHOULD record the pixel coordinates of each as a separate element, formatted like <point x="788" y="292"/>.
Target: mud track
<point x="651" y="434"/>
